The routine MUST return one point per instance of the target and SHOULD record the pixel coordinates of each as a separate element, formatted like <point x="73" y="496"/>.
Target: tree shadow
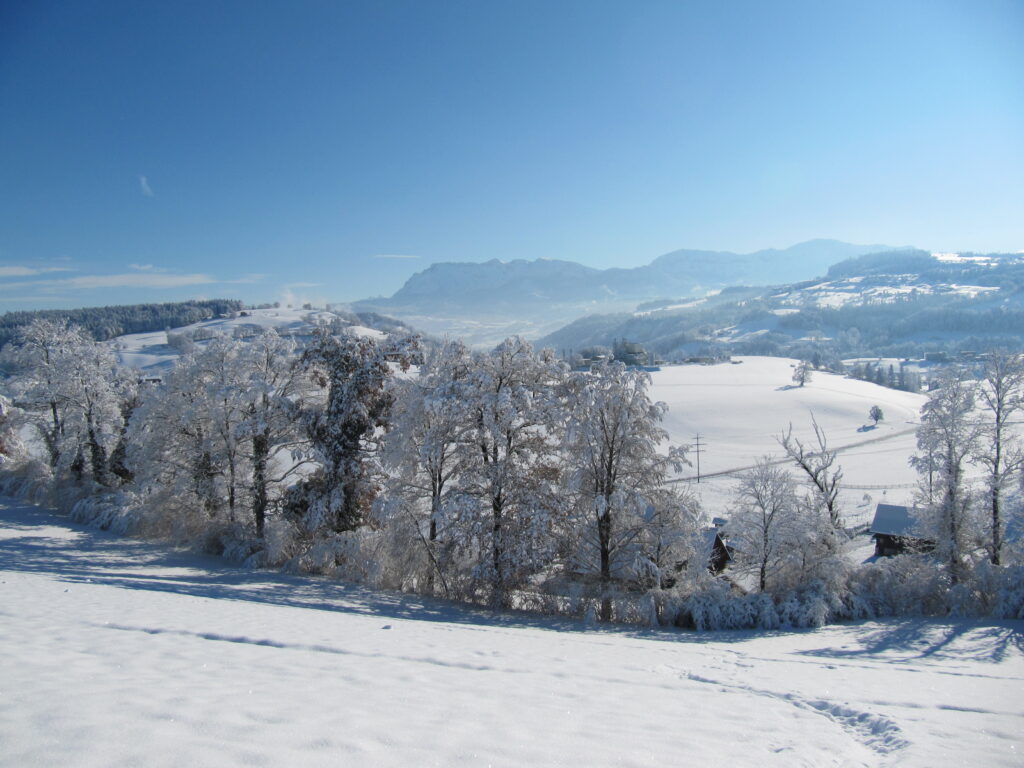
<point x="77" y="554"/>
<point x="867" y="428"/>
<point x="901" y="641"/>
<point x="96" y="557"/>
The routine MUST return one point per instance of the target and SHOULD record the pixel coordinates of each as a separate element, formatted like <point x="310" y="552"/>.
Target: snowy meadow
<point x="118" y="651"/>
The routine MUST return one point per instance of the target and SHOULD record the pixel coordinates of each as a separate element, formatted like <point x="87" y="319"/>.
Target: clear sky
<point x="165" y="150"/>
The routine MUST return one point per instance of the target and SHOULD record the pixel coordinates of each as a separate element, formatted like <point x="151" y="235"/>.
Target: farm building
<point x="718" y="553"/>
<point x="895" y="531"/>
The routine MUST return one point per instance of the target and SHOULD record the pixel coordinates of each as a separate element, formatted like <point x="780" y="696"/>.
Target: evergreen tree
<point x="345" y="431"/>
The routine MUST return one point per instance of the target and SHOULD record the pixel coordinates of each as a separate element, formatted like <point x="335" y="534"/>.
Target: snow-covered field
<point x="740" y="410"/>
<point x="117" y="652"/>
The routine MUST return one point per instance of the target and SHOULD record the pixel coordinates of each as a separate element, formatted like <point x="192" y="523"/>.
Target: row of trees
<point x="968" y="423"/>
<point x="479" y="475"/>
<point x="107" y="322"/>
<point x="483" y="476"/>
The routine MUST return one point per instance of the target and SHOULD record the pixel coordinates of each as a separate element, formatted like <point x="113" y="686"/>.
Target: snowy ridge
<point x="153" y="352"/>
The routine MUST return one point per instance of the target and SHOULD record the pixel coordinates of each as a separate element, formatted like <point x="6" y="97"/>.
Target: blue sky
<point x="165" y="150"/>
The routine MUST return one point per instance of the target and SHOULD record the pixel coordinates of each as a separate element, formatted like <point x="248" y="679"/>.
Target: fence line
<point x="786" y="460"/>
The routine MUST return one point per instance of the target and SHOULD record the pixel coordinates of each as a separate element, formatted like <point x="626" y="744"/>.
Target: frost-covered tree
<point x="219" y="368"/>
<point x="615" y="470"/>
<point x="217" y="434"/>
<point x="274" y="391"/>
<point x="421" y="452"/>
<point x="344" y="431"/>
<point x="70" y="388"/>
<point x="999" y="450"/>
<point x="502" y="525"/>
<point x="171" y="446"/>
<point x="947" y="438"/>
<point x="765" y="521"/>
<point x="818" y="464"/>
<point x="10" y="443"/>
<point x="130" y="400"/>
<point x="39" y="360"/>
<point x="95" y="387"/>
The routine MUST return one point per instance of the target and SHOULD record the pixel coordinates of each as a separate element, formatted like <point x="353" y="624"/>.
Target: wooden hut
<point x="896" y="531"/>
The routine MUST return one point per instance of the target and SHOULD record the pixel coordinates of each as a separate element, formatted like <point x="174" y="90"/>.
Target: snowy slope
<point x="116" y="652"/>
<point x="151" y="352"/>
<point x="739" y="410"/>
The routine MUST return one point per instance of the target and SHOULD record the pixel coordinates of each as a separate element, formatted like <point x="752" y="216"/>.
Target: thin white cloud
<point x="147" y="191"/>
<point x="395" y="256"/>
<point x="125" y="280"/>
<point x="142" y="267"/>
<point x="303" y="285"/>
<point x="29" y="271"/>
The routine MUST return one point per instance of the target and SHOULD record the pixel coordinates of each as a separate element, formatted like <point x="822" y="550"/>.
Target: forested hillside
<point x="104" y="323"/>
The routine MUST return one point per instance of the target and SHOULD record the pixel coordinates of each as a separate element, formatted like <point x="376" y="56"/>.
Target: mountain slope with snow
<point x="866" y="305"/>
<point x="484" y="302"/>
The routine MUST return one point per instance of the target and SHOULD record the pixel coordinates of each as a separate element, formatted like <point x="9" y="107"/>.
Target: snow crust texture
<point x="118" y="652"/>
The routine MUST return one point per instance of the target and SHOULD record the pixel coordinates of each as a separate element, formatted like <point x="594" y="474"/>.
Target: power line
<point x="698" y="450"/>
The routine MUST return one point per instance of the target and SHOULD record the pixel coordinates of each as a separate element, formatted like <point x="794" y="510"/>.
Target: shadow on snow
<point x="101" y="558"/>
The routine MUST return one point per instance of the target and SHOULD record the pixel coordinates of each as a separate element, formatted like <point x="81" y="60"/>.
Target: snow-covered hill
<point x="118" y="652"/>
<point x="740" y="409"/>
<point x="152" y="352"/>
<point x="862" y="306"/>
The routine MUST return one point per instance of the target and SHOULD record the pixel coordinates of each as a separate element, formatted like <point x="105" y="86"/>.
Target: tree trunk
<point x="231" y="486"/>
<point x="53" y="439"/>
<point x="997" y="480"/>
<point x="260" y="452"/>
<point x="997" y="536"/>
<point x="604" y="533"/>
<point x="500" y="596"/>
<point x="97" y="455"/>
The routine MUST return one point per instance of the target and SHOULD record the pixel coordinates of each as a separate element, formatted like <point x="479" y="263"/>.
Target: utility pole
<point x="698" y="449"/>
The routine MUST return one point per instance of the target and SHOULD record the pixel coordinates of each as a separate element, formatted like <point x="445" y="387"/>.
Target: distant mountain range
<point x="484" y="302"/>
<point x="896" y="303"/>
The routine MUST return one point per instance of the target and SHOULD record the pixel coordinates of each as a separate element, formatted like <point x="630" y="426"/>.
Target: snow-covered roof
<point x="894" y="520"/>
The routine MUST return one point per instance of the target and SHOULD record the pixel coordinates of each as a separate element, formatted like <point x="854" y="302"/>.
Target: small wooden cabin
<point x="719" y="556"/>
<point x="895" y="531"/>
